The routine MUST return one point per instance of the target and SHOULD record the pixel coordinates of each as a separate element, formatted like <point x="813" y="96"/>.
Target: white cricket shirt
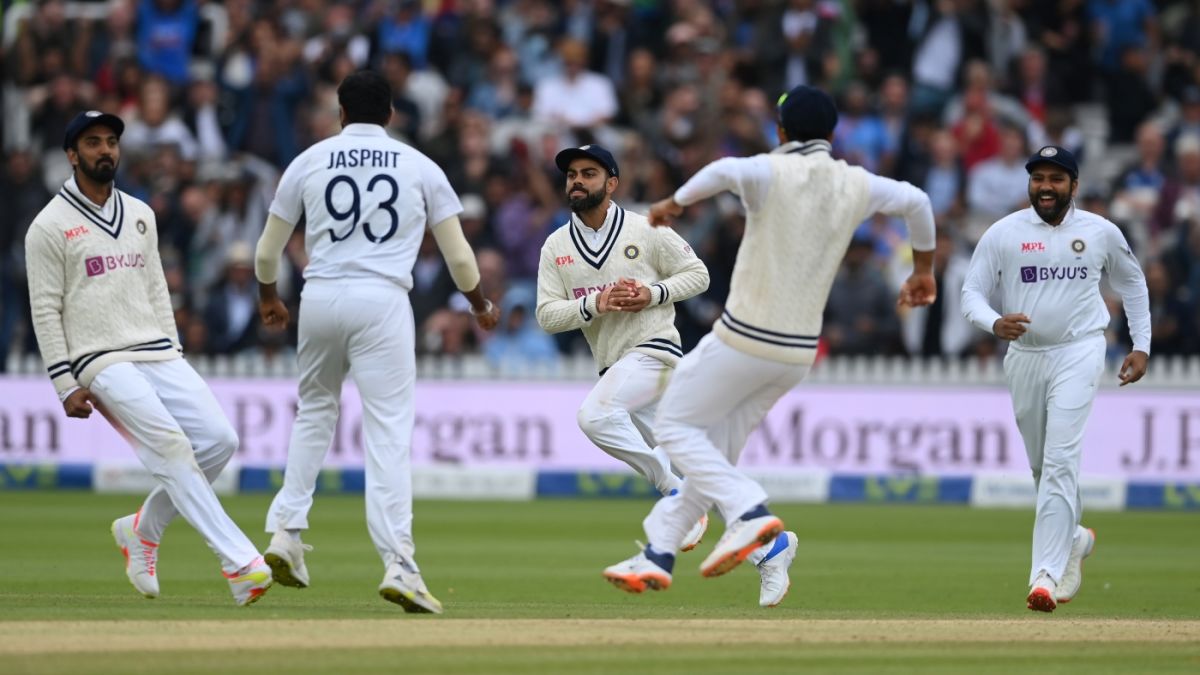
<point x="1052" y="275"/>
<point x="367" y="199"/>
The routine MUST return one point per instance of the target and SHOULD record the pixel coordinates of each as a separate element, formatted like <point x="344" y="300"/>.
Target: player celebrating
<point x="106" y="331"/>
<point x="802" y="207"/>
<point x="367" y="200"/>
<point x="611" y="275"/>
<point x="1046" y="262"/>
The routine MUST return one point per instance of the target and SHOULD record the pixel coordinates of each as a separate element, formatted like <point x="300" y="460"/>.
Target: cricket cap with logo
<point x="593" y="152"/>
<point x="1053" y="154"/>
<point x="81" y="122"/>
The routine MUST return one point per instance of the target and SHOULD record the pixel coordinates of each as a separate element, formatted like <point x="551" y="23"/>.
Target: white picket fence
<point x="1166" y="372"/>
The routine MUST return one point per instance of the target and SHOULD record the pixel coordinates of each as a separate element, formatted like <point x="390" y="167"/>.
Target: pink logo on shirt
<point x="94" y="266"/>
<point x="98" y="265"/>
<point x="580" y="292"/>
<point x="1032" y="247"/>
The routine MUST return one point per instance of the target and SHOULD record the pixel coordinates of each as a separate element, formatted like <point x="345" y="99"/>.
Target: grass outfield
<point x="921" y="589"/>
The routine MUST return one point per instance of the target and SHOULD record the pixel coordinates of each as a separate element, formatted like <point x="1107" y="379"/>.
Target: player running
<point x="107" y="334"/>
<point x="1046" y="262"/>
<point x="802" y="207"/>
<point x="366" y="200"/>
<point x="611" y="275"/>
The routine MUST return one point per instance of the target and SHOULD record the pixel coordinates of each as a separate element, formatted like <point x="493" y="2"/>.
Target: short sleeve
<point x="288" y="203"/>
<point x="441" y="202"/>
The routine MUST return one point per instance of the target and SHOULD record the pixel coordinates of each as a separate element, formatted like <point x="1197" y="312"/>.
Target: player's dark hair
<point x="366" y="97"/>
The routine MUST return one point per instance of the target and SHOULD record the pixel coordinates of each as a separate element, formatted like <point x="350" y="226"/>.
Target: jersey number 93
<point x="342" y="184"/>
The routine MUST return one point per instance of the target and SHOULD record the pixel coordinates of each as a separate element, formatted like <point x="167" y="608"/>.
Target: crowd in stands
<point x="950" y="95"/>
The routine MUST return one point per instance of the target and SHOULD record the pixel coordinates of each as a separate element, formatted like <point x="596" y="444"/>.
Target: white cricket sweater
<point x="578" y="263"/>
<point x="96" y="286"/>
<point x="1052" y="275"/>
<point x="802" y="208"/>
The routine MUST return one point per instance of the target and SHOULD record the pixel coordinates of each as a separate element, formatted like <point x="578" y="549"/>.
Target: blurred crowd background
<point x="950" y="95"/>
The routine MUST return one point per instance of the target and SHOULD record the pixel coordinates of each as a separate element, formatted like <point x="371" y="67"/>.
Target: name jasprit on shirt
<point x="356" y="157"/>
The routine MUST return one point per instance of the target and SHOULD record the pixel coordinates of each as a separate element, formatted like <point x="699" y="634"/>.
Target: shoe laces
<point x="149" y="556"/>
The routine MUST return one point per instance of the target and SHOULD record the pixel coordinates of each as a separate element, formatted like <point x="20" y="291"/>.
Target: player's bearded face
<point x="580" y="199"/>
<point x="102" y="169"/>
<point x="1050" y="193"/>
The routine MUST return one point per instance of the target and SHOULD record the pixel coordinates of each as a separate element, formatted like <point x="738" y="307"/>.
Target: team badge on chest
<point x="1078" y="246"/>
<point x="632" y="252"/>
<point x="141" y="226"/>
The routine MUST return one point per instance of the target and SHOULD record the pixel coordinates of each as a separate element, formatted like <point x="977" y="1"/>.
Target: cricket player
<point x="107" y="334"/>
<point x="366" y="200"/>
<point x="610" y="274"/>
<point x="802" y="206"/>
<point x="1045" y="262"/>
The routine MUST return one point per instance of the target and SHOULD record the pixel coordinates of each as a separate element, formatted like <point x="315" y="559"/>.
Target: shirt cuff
<point x="66" y="393"/>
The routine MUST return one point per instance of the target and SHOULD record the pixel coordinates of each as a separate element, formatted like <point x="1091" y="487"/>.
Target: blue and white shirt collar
<point x="804" y="147"/>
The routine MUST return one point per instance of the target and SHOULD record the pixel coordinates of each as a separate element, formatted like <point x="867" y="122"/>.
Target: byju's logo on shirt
<point x="1033" y="273"/>
<point x="588" y="290"/>
<point x="97" y="265"/>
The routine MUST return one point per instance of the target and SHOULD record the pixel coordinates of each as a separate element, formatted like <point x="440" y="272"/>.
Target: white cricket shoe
<point x="285" y="556"/>
<point x="1072" y="578"/>
<point x="402" y="584"/>
<point x="249" y="583"/>
<point x="741" y="537"/>
<point x="638" y="573"/>
<point x="141" y="556"/>
<point x="1041" y="594"/>
<point x="695" y="535"/>
<point x="773" y="570"/>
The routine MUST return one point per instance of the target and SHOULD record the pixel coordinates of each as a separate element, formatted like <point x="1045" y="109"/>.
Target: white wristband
<point x="487" y="308"/>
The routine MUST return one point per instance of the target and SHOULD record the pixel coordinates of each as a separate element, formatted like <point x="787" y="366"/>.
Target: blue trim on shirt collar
<point x="804" y="148"/>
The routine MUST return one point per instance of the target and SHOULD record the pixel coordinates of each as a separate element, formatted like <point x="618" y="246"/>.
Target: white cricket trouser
<point x="364" y="328"/>
<point x="716" y="398"/>
<point x="1052" y="393"/>
<point x="618" y="416"/>
<point x="181" y="435"/>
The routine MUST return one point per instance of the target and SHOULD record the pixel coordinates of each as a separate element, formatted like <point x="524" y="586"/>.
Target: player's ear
<point x="1074" y="187"/>
<point x="610" y="185"/>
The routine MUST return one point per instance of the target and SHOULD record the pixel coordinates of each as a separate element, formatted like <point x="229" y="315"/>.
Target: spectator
<point x="1169" y="313"/>
<point x="860" y="137"/>
<point x="156" y="126"/>
<point x="945" y="180"/>
<point x="1179" y="202"/>
<point x="519" y="344"/>
<point x="406" y="30"/>
<point x="999" y="186"/>
<point x="166" y="36"/>
<point x="940" y="329"/>
<point x="556" y="99"/>
<point x="1120" y="25"/>
<point x="1130" y="99"/>
<point x="232" y="313"/>
<point x="25" y="195"/>
<point x="860" y="318"/>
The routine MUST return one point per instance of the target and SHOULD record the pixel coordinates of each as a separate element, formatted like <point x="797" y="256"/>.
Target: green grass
<point x="542" y="560"/>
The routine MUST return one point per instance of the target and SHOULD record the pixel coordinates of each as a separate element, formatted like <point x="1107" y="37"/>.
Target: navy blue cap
<point x="1053" y="154"/>
<point x="807" y="113"/>
<point x="593" y="151"/>
<point x="88" y="119"/>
